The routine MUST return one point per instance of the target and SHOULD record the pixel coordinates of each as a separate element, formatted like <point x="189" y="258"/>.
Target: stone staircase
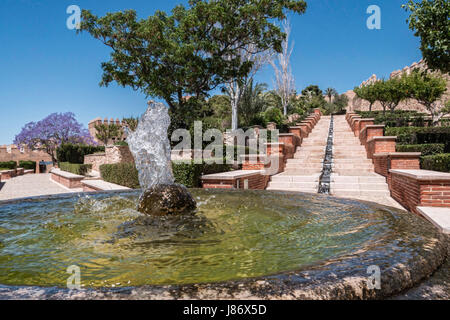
<point x="353" y="174"/>
<point x="302" y="173"/>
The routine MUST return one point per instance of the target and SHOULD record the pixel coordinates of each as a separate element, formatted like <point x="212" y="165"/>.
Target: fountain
<point x="240" y="244"/>
<point x="151" y="150"/>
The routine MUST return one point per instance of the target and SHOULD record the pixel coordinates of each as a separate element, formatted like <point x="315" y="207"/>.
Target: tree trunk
<point x="234" y="115"/>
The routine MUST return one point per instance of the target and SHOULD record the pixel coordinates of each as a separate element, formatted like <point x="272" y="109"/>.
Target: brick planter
<point x="380" y="145"/>
<point x="67" y="179"/>
<point x="412" y="188"/>
<point x="383" y="162"/>
<point x="290" y="144"/>
<point x="240" y="179"/>
<point x="360" y="124"/>
<point x="7" y="174"/>
<point x="370" y="131"/>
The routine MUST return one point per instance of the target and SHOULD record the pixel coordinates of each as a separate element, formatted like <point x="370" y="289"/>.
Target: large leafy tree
<point x="190" y="51"/>
<point x="391" y="92"/>
<point x="430" y="19"/>
<point x="367" y="93"/>
<point x="427" y="89"/>
<point x="51" y="132"/>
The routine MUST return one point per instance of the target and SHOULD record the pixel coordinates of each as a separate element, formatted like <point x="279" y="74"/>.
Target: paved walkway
<point x="31" y="185"/>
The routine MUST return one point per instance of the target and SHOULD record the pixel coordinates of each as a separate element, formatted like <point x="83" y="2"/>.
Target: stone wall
<point x="113" y="154"/>
<point x="98" y="121"/>
<point x="13" y="153"/>
<point x="357" y="104"/>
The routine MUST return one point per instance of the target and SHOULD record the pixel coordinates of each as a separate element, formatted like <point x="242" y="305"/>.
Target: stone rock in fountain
<point x="166" y="199"/>
<point x="150" y="147"/>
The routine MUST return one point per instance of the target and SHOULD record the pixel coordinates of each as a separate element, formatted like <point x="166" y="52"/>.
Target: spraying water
<point x="150" y="147"/>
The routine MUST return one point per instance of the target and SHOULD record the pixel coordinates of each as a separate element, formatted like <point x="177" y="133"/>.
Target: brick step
<point x="349" y="160"/>
<point x="294" y="185"/>
<point x="302" y="172"/>
<point x="294" y="190"/>
<point x="362" y="172"/>
<point x="301" y="166"/>
<point x="308" y="159"/>
<point x="283" y="177"/>
<point x="358" y="179"/>
<point x="305" y="160"/>
<point x="360" y="186"/>
<point x="353" y="166"/>
<point x="357" y="192"/>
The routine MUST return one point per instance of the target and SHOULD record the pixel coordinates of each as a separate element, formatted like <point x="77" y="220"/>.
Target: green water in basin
<point x="234" y="235"/>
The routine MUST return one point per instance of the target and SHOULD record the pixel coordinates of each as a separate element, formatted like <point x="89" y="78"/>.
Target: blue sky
<point x="47" y="68"/>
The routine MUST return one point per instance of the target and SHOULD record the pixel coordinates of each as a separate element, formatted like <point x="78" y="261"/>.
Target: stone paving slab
<point x="31" y="185"/>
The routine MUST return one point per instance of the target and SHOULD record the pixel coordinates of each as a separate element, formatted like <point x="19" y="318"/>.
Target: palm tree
<point x="107" y="131"/>
<point x="330" y="92"/>
<point x="252" y="102"/>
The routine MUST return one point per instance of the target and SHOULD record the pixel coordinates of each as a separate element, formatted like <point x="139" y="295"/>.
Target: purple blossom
<point x="52" y="131"/>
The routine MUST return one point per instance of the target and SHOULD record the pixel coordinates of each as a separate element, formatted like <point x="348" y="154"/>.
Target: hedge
<point x="185" y="172"/>
<point x="437" y="162"/>
<point x="124" y="174"/>
<point x="8" y="165"/>
<point x="27" y="165"/>
<point x="417" y="135"/>
<point x="75" y="168"/>
<point x="74" y="153"/>
<point x="426" y="149"/>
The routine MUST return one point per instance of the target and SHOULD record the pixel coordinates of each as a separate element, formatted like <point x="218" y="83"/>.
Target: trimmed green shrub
<point x="9" y="165"/>
<point x="75" y="168"/>
<point x="74" y="153"/>
<point x="188" y="173"/>
<point x="437" y="162"/>
<point x="124" y="174"/>
<point x="185" y="172"/>
<point x="121" y="143"/>
<point x="426" y="149"/>
<point x="27" y="165"/>
<point x="416" y="135"/>
<point x="274" y="114"/>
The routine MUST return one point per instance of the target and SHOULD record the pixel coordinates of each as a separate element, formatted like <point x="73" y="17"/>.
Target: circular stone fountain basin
<point x="239" y="245"/>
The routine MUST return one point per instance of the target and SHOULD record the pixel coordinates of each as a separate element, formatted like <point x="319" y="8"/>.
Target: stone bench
<point x="100" y="185"/>
<point x="67" y="179"/>
<point x="439" y="217"/>
<point x="7" y="174"/>
<point x="20" y="171"/>
<point x="28" y="171"/>
<point x="239" y="179"/>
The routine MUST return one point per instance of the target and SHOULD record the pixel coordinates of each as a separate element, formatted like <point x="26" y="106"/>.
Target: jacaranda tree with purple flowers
<point x="51" y="132"/>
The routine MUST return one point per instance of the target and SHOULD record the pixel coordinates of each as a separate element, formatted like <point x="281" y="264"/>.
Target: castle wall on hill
<point x="98" y="121"/>
<point x="357" y="104"/>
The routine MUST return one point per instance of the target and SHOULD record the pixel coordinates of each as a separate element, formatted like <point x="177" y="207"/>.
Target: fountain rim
<point x="325" y="282"/>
